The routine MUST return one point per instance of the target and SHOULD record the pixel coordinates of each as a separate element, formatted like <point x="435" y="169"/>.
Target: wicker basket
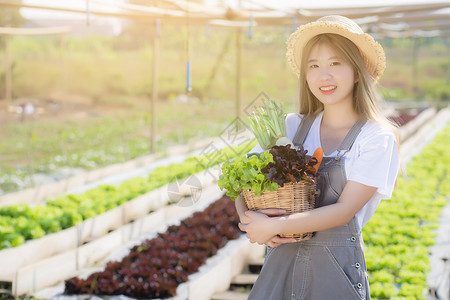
<point x="292" y="197"/>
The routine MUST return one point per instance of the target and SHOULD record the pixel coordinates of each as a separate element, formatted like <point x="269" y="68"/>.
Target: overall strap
<point x="303" y="129"/>
<point x="350" y="138"/>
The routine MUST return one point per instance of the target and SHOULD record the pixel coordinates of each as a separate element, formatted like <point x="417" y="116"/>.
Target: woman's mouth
<point x="327" y="89"/>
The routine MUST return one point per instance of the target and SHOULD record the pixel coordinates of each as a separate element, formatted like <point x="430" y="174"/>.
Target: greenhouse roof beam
<point x="34" y="31"/>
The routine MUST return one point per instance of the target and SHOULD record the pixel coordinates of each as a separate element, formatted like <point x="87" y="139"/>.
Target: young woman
<point x="338" y="66"/>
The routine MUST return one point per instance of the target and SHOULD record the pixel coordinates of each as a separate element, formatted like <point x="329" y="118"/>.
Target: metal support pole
<point x="156" y="41"/>
<point x="8" y="75"/>
<point x="238" y="71"/>
<point x="415" y="72"/>
<point x="62" y="60"/>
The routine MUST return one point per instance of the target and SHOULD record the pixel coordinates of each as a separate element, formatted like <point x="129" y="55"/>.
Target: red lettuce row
<point x="156" y="267"/>
<point x="403" y="118"/>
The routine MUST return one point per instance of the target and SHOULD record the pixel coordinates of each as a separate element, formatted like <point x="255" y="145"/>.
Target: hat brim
<point x="371" y="52"/>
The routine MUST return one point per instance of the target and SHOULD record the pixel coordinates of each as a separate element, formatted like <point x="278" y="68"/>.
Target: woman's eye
<point x="335" y="63"/>
<point x="313" y="66"/>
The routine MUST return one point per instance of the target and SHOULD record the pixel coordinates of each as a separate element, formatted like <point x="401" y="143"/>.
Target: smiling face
<point x="329" y="77"/>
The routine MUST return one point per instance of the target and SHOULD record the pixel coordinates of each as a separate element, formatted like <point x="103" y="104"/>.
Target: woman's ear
<point x="356" y="76"/>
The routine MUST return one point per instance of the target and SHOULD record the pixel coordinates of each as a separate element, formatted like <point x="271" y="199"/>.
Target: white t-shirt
<point x="373" y="159"/>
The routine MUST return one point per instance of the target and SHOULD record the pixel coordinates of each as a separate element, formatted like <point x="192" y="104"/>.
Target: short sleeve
<point x="377" y="163"/>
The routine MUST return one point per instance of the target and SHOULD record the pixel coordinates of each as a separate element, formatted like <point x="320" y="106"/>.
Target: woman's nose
<point x="325" y="74"/>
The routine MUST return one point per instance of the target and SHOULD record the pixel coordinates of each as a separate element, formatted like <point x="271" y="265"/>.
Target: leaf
<point x="268" y="123"/>
<point x="289" y="165"/>
<point x="244" y="173"/>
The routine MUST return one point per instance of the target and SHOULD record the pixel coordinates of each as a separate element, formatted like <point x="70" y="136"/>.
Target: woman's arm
<point x="355" y="195"/>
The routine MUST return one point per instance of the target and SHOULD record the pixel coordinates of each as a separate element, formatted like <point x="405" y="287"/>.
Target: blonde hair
<point x="365" y="101"/>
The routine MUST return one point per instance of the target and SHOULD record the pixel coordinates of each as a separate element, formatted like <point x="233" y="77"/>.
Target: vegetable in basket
<point x="281" y="177"/>
<point x="318" y="156"/>
<point x="268" y="125"/>
<point x="244" y="173"/>
<point x="280" y="163"/>
<point x="290" y="165"/>
<point x="268" y="171"/>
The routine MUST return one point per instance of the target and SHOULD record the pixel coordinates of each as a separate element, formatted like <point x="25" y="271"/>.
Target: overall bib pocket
<point x="348" y="275"/>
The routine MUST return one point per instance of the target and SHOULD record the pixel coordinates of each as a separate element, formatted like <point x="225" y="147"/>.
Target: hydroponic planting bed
<point x="51" y="270"/>
<point x="89" y="230"/>
<point x="88" y="179"/>
<point x="156" y="267"/>
<point x="403" y="117"/>
<point x="84" y="217"/>
<point x="397" y="238"/>
<point x="178" y="250"/>
<point x="24" y="222"/>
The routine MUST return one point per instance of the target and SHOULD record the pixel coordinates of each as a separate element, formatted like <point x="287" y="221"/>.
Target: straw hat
<point x="371" y="52"/>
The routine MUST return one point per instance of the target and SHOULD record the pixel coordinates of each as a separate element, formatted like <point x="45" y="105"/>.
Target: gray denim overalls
<point x="331" y="264"/>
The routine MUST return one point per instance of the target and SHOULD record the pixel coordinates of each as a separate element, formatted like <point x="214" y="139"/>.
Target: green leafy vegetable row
<point x="399" y="234"/>
<point x="22" y="222"/>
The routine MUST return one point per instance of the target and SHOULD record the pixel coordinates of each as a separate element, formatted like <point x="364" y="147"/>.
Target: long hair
<point x="365" y="101"/>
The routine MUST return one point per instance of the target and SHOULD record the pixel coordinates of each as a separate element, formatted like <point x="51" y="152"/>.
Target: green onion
<point x="268" y="124"/>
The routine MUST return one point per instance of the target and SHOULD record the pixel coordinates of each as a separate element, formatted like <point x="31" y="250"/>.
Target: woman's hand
<point x="244" y="219"/>
<point x="277" y="241"/>
<point x="260" y="227"/>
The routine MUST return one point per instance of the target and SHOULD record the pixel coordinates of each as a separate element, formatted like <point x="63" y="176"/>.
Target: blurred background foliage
<point x="10" y="17"/>
<point x="113" y="69"/>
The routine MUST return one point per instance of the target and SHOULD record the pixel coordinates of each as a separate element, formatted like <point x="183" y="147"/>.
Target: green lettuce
<point x="244" y="173"/>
